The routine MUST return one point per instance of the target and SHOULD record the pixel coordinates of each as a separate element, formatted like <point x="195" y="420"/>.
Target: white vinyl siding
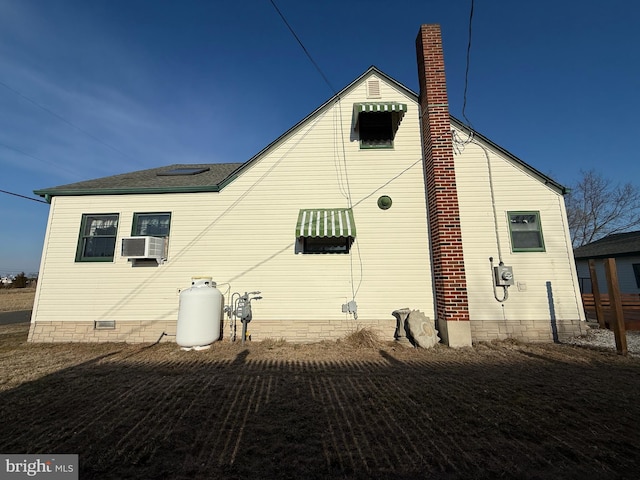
<point x="546" y="283"/>
<point x="244" y="236"/>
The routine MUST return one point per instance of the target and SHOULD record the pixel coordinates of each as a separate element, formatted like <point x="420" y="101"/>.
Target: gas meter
<point x="240" y="307"/>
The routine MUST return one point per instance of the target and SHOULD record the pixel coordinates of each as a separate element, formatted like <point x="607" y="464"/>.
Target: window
<point x="636" y="272"/>
<point x="97" y="240"/>
<point x="151" y="224"/>
<point x="326" y="244"/>
<point x="377" y="123"/>
<point x="375" y="130"/>
<point x="526" y="232"/>
<point x="325" y="230"/>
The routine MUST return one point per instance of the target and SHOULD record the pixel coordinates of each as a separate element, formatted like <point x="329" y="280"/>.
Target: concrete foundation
<point x="455" y="334"/>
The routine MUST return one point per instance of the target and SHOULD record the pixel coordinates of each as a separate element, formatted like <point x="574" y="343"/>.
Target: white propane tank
<point x="199" y="314"/>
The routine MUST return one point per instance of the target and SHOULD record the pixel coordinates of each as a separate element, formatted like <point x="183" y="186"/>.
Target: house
<point x="376" y="201"/>
<point x="625" y="248"/>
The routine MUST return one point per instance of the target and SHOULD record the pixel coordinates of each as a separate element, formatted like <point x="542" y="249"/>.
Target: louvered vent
<point x="373" y="88"/>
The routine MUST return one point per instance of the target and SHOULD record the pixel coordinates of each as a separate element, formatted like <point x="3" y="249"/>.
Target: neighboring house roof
<point x="220" y="174"/>
<point x="615" y="245"/>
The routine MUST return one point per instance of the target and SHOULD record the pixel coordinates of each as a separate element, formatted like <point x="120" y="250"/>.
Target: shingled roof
<point x="211" y="178"/>
<point x="611" y="246"/>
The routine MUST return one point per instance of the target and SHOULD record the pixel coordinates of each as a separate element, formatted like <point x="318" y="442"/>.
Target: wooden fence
<point x="630" y="308"/>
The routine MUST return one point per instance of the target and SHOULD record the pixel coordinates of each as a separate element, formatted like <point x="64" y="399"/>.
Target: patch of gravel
<point x="605" y="339"/>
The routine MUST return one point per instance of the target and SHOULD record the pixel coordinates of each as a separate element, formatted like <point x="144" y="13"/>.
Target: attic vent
<point x="373" y="88"/>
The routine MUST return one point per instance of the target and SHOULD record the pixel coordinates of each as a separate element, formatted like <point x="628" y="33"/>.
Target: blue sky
<point x="152" y="83"/>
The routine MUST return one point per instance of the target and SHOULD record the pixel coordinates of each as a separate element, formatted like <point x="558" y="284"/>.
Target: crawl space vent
<point x="104" y="324"/>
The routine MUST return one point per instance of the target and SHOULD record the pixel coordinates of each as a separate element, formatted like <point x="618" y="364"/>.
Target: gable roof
<point x="615" y="245"/>
<point x="221" y="174"/>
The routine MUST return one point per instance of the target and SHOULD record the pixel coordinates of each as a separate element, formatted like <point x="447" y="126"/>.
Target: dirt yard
<point x="358" y="409"/>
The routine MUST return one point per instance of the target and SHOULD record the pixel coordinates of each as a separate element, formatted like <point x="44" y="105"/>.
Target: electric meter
<point x="503" y="275"/>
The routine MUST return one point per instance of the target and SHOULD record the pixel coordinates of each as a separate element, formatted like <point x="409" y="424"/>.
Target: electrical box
<point x="503" y="275"/>
<point x="350" y="307"/>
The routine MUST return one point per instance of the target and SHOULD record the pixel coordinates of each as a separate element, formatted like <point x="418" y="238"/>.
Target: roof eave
<point x="545" y="179"/>
<point x="47" y="194"/>
<point x="606" y="255"/>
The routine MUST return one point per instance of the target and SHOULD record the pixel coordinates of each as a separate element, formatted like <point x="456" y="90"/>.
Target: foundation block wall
<point x="307" y="331"/>
<point x="534" y="331"/>
<point x="129" y="332"/>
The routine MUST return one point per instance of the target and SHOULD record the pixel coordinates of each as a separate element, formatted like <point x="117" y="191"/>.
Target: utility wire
<point x="62" y="119"/>
<point x="303" y="48"/>
<point x="68" y="170"/>
<point x="354" y="290"/>
<point x="23" y="196"/>
<point x="466" y="73"/>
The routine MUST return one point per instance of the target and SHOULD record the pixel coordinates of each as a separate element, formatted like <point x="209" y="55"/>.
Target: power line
<point x="62" y="119"/>
<point x="466" y="73"/>
<point x="354" y="291"/>
<point x="68" y="170"/>
<point x="23" y="196"/>
<point x="303" y="48"/>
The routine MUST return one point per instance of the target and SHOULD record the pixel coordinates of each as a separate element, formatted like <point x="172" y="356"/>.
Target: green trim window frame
<point x="377" y="123"/>
<point x="525" y="231"/>
<point x="375" y="130"/>
<point x="97" y="238"/>
<point x="156" y="224"/>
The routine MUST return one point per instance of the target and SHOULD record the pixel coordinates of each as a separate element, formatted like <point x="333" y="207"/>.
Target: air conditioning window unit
<point x="143" y="247"/>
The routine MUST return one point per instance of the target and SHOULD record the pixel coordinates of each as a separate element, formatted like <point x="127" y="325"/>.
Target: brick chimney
<point x="450" y="284"/>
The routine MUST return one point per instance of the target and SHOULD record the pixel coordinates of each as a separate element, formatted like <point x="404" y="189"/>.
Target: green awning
<point x="395" y="109"/>
<point x="379" y="107"/>
<point x="326" y="222"/>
